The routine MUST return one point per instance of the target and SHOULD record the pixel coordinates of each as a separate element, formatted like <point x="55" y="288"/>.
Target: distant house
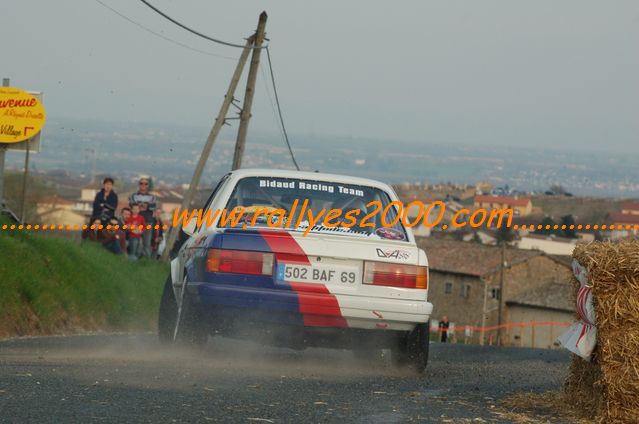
<point x="421" y="229"/>
<point x="630" y="208"/>
<point x="58" y="210"/>
<point x="552" y="302"/>
<point x="464" y="285"/>
<point x="168" y="201"/>
<point x="84" y="205"/>
<point x="483" y="187"/>
<point x="521" y="206"/>
<point x="55" y="202"/>
<point x="551" y="244"/>
<point x="627" y="224"/>
<point x="61" y="217"/>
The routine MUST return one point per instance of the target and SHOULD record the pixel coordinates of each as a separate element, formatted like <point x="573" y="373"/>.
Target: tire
<point x="168" y="314"/>
<point x="412" y="349"/>
<point x="175" y="329"/>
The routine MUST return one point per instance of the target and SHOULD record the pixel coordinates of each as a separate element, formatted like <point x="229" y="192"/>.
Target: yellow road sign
<point x="21" y="115"/>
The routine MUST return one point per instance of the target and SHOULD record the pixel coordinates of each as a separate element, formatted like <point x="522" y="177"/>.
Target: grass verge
<point x="55" y="286"/>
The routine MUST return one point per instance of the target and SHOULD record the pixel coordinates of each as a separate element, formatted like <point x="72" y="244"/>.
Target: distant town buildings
<point x="521" y="206"/>
<point x="55" y="210"/>
<point x="625" y="221"/>
<point x="630" y="208"/>
<point x="549" y="244"/>
<point x="465" y="286"/>
<point x="84" y="204"/>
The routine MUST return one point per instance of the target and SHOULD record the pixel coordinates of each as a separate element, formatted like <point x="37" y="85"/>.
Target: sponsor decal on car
<point x="396" y="253"/>
<point x="390" y="233"/>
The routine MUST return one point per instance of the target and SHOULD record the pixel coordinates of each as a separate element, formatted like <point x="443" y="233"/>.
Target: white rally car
<point x="285" y="278"/>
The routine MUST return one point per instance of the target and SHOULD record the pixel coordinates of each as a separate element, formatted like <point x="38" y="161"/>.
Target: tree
<point x="36" y="189"/>
<point x="545" y="222"/>
<point x="504" y="234"/>
<point x="568" y="220"/>
<point x="558" y="189"/>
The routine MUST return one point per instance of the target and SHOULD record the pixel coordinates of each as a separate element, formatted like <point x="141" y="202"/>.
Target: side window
<point x="216" y="190"/>
<point x="465" y="290"/>
<point x="494" y="293"/>
<point x="448" y="288"/>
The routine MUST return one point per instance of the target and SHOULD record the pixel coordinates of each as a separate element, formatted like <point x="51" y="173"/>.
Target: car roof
<point x="317" y="176"/>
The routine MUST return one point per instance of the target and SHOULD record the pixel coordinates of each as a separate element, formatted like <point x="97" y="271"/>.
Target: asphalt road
<point x="131" y="378"/>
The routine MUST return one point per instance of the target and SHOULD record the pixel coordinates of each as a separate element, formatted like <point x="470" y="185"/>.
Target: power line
<point x="271" y="102"/>
<point x="268" y="54"/>
<point x="192" y="31"/>
<point x="279" y="109"/>
<point x="157" y="34"/>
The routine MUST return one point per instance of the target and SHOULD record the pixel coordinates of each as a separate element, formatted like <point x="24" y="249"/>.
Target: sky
<point x="538" y="73"/>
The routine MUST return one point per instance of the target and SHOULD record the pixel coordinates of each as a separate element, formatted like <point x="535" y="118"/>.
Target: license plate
<point x="343" y="275"/>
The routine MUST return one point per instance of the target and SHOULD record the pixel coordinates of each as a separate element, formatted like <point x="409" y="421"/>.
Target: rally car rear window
<point x="255" y="193"/>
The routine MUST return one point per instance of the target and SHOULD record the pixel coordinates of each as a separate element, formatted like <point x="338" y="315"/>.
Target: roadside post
<point x="499" y="340"/>
<point x="3" y="150"/>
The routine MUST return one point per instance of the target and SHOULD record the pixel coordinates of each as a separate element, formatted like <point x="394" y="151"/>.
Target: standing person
<point x="135" y="233"/>
<point x="148" y="204"/>
<point x="105" y="202"/>
<point x="443" y="328"/>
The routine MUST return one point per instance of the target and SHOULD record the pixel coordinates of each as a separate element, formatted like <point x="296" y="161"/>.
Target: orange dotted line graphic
<point x="443" y="227"/>
<point x="578" y="227"/>
<point x="82" y="227"/>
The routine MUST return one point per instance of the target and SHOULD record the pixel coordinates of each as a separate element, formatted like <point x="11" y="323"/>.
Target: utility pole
<point x="3" y="149"/>
<point x="501" y="292"/>
<point x="23" y="207"/>
<point x="210" y="141"/>
<point x="245" y="115"/>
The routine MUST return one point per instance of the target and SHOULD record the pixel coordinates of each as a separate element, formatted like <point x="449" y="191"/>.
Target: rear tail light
<point x="396" y="275"/>
<point x="239" y="262"/>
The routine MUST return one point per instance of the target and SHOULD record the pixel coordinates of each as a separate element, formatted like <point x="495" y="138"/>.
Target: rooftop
<point x="558" y="296"/>
<point x="514" y="201"/>
<point x="55" y="200"/>
<point x="551" y="237"/>
<point x="623" y="218"/>
<point x="474" y="259"/>
<point x="632" y="205"/>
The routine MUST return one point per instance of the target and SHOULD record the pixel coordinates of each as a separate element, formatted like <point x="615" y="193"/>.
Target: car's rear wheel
<point x="412" y="349"/>
<point x="180" y="326"/>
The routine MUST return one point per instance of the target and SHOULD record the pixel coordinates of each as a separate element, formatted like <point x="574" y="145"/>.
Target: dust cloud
<point x="140" y="360"/>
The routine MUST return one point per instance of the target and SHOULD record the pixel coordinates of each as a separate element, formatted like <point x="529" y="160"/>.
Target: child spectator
<point x="114" y="239"/>
<point x="125" y="213"/>
<point x="93" y="234"/>
<point x="111" y="239"/>
<point x="135" y="233"/>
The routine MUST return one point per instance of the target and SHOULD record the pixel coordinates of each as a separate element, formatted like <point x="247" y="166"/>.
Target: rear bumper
<point x="307" y="309"/>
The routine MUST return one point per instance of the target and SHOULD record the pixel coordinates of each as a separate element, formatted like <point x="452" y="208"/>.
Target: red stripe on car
<point x="319" y="308"/>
